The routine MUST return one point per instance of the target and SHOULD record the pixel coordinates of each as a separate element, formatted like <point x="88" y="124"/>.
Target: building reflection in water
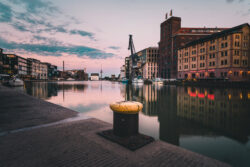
<point x="194" y="111"/>
<point x="45" y="90"/>
<point x="224" y="111"/>
<point x="158" y="101"/>
<point x="213" y="122"/>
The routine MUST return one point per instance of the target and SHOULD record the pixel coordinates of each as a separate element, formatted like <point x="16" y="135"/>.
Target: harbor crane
<point x="134" y="57"/>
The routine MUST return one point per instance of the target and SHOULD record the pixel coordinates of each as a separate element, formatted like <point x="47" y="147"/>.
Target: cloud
<point x="82" y="33"/>
<point x="55" y="50"/>
<point x="35" y="22"/>
<point x="114" y="47"/>
<point x="39" y="25"/>
<point x="36" y="6"/>
<point x="5" y="13"/>
<point x="230" y="1"/>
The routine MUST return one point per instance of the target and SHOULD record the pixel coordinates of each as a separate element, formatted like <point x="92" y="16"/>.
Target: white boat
<point x="124" y="80"/>
<point x="70" y="79"/>
<point x="16" y="82"/>
<point x="137" y="80"/>
<point x="158" y="81"/>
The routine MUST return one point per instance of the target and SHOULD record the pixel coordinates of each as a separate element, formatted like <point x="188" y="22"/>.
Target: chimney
<point x="63" y="66"/>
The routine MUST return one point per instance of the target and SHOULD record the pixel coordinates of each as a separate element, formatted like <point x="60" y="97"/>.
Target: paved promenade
<point x="36" y="133"/>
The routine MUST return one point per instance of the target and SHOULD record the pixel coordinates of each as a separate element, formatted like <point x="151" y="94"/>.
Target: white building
<point x="149" y="63"/>
<point x="43" y="72"/>
<point x="94" y="76"/>
<point x="122" y="72"/>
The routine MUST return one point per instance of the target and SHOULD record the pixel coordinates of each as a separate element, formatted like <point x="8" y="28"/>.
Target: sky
<point x="94" y="33"/>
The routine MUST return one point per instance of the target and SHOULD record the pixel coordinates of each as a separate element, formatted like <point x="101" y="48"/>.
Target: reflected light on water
<point x="213" y="122"/>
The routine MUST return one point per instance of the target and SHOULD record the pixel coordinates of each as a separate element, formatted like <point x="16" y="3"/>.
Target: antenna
<point x="101" y="71"/>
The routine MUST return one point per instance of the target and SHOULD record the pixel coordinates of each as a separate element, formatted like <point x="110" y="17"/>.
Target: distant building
<point x="80" y="75"/>
<point x="94" y="76"/>
<point x="113" y="77"/>
<point x="127" y="67"/>
<point x="33" y="68"/>
<point x="1" y="61"/>
<point x="224" y="54"/>
<point x="149" y="64"/>
<point x="172" y="37"/>
<point x="86" y="76"/>
<point x="43" y="72"/>
<point x="122" y="72"/>
<point x="17" y="65"/>
<point x="52" y="72"/>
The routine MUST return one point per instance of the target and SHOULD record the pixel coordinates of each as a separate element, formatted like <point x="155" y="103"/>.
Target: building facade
<point x="224" y="54"/>
<point x="149" y="62"/>
<point x="173" y="36"/>
<point x="51" y="71"/>
<point x="94" y="76"/>
<point x="17" y="65"/>
<point x="43" y="71"/>
<point x="127" y="67"/>
<point x="34" y="68"/>
<point x="122" y="72"/>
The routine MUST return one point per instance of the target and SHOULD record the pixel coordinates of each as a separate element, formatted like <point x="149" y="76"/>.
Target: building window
<point x="236" y="61"/>
<point x="244" y="62"/>
<point x="222" y="45"/>
<point x="236" y="73"/>
<point x="224" y="38"/>
<point x="222" y="62"/>
<point x="222" y="54"/>
<point x="237" y="52"/>
<point x="245" y="37"/>
<point x="237" y="37"/>
<point x="237" y="44"/>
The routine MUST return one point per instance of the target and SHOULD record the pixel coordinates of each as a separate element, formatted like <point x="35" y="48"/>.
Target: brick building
<point x="173" y="36"/>
<point x="224" y="54"/>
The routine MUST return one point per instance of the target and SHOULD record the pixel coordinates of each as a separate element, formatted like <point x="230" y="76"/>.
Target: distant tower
<point x="101" y="71"/>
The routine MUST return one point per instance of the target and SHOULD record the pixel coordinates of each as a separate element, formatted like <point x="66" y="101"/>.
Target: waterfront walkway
<point x="37" y="133"/>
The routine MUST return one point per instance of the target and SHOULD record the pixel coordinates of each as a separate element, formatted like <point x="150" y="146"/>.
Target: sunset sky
<point x="91" y="33"/>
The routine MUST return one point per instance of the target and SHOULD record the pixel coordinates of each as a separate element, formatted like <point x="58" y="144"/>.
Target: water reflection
<point x="213" y="122"/>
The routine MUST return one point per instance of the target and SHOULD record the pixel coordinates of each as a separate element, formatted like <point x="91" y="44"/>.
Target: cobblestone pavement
<point x="76" y="143"/>
<point x="18" y="110"/>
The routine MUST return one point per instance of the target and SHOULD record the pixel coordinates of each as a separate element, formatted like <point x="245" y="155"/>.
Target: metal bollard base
<point x="125" y="125"/>
<point x="132" y="142"/>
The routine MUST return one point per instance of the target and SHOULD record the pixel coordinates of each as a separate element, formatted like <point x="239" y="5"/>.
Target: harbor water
<point x="213" y="122"/>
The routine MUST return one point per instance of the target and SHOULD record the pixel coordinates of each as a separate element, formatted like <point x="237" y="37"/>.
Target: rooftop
<point x="216" y="35"/>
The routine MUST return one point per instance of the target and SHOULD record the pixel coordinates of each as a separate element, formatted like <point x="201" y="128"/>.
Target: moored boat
<point x="137" y="80"/>
<point x="124" y="80"/>
<point x="158" y="81"/>
<point x="16" y="82"/>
